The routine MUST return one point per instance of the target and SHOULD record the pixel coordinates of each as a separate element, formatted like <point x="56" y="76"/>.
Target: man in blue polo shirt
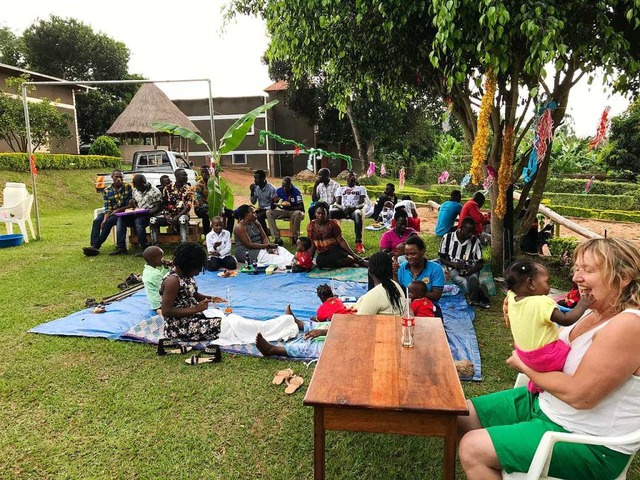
<point x="447" y="214"/>
<point x="286" y="203"/>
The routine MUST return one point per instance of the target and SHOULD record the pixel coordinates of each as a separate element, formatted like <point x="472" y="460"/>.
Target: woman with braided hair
<point x="385" y="298"/>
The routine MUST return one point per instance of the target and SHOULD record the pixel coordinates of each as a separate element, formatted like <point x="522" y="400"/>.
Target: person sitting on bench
<point x="177" y="199"/>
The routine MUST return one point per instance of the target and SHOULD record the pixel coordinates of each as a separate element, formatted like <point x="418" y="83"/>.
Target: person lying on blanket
<point x="385" y="298"/>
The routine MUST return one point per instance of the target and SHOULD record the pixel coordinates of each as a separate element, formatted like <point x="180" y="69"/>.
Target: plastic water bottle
<point x="247" y="261"/>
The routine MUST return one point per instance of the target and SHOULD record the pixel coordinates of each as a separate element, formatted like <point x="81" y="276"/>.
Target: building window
<point x="251" y="132"/>
<point x="239" y="159"/>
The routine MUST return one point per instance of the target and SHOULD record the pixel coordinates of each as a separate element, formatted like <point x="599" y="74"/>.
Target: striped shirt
<point x="452" y="249"/>
<point x="327" y="193"/>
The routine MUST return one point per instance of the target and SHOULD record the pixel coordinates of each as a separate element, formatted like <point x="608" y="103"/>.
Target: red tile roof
<point x="277" y="86"/>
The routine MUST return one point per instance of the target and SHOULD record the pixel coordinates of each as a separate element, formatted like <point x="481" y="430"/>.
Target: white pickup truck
<point x="152" y="164"/>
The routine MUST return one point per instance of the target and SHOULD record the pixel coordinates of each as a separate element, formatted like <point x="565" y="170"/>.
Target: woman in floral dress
<point x="182" y="304"/>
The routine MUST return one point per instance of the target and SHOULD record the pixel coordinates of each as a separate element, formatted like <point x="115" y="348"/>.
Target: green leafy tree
<point x="11" y="48"/>
<point x="105" y="145"/>
<point x="48" y="125"/>
<point x="69" y="49"/>
<point x="537" y="51"/>
<point x="623" y="152"/>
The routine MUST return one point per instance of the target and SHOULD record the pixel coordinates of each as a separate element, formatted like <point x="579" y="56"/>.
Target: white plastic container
<point x="14" y="193"/>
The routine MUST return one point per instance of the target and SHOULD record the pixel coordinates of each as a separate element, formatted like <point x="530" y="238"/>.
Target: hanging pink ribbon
<point x="383" y="171"/>
<point x="587" y="187"/>
<point x="491" y="177"/>
<point x="372" y="169"/>
<point x="603" y="127"/>
<point x="444" y="176"/>
<point x="401" y="179"/>
<point x="296" y="151"/>
<point x="544" y="134"/>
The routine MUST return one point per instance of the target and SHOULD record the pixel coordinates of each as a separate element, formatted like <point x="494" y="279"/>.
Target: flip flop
<point x="197" y="360"/>
<point x="215" y="351"/>
<point x="281" y="376"/>
<point x="293" y="384"/>
<point x="270" y="269"/>
<point x="169" y="348"/>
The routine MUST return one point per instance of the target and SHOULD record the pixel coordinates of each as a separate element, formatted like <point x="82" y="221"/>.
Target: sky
<point x="186" y="40"/>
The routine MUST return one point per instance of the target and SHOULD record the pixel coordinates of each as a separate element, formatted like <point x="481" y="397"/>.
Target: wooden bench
<point x="169" y="236"/>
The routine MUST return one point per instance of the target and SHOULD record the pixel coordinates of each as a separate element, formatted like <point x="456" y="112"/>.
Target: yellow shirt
<point x="530" y="320"/>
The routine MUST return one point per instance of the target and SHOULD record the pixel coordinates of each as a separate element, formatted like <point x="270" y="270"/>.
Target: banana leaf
<point x="180" y="131"/>
<point x="220" y="196"/>
<point x="233" y="137"/>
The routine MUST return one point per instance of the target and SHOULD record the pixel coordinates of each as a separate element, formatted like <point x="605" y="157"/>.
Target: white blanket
<point x="239" y="330"/>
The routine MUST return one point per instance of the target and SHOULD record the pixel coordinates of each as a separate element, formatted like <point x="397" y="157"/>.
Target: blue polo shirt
<point x="447" y="214"/>
<point x="294" y="197"/>
<point x="432" y="270"/>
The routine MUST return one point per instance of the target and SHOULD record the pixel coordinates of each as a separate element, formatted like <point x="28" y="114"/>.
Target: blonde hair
<point x="618" y="261"/>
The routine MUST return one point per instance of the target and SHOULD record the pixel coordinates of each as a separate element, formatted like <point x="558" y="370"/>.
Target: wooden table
<point x="365" y="381"/>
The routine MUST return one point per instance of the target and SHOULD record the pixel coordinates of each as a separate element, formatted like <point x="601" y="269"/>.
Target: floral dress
<point x="192" y="328"/>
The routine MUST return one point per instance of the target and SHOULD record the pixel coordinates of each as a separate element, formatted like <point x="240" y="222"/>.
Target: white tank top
<point x="616" y="414"/>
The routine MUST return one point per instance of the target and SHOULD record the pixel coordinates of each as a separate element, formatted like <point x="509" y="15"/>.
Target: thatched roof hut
<point x="149" y="104"/>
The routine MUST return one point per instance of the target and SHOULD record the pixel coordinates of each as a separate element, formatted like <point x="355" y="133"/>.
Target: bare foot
<point x="268" y="350"/>
<point x="288" y="311"/>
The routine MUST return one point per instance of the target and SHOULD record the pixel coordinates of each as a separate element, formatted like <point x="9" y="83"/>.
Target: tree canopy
<point x="71" y="50"/>
<point x="623" y="152"/>
<point x="530" y="52"/>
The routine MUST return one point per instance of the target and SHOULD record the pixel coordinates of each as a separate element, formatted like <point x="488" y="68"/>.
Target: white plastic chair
<point x="539" y="468"/>
<point x="19" y="214"/>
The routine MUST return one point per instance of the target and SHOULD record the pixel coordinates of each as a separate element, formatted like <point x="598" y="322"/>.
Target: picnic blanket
<point x="347" y="274"/>
<point x="258" y="297"/>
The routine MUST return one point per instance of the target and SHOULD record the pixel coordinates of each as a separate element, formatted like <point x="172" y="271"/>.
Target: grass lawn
<point x="91" y="408"/>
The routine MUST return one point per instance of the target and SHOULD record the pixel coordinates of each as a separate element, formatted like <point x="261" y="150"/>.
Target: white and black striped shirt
<point x="454" y="250"/>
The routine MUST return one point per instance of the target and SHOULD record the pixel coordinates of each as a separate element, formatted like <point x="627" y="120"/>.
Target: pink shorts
<point x="549" y="358"/>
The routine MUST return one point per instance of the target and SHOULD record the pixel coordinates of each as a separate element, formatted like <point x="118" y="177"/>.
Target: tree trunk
<point x="357" y="139"/>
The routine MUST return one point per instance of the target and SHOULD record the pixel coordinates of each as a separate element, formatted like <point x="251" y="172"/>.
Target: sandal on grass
<point x="170" y="347"/>
<point x="215" y="351"/>
<point x="198" y="359"/>
<point x="281" y="376"/>
<point x="293" y="384"/>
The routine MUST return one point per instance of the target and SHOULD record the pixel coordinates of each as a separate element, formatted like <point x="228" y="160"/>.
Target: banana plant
<point x="220" y="194"/>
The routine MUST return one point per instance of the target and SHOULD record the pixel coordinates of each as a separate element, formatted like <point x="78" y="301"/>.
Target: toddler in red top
<point x="330" y="304"/>
<point x="302" y="260"/>
<point x="421" y="306"/>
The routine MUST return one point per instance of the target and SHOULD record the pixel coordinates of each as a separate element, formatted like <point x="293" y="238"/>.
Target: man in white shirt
<point x="323" y="190"/>
<point x="350" y="201"/>
<point x="144" y="195"/>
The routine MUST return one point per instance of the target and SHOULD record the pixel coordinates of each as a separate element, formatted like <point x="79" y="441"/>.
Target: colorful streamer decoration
<point x="603" y="127"/>
<point x="32" y="165"/>
<point x="505" y="171"/>
<point x="465" y="181"/>
<point x="544" y="134"/>
<point x="401" y="179"/>
<point x="444" y="176"/>
<point x="587" y="187"/>
<point x="296" y="151"/>
<point x="532" y="166"/>
<point x="481" y="142"/>
<point x="371" y="170"/>
<point x="318" y="152"/>
<point x="383" y="170"/>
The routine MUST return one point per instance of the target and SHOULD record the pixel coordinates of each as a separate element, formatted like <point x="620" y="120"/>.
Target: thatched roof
<point x="148" y="105"/>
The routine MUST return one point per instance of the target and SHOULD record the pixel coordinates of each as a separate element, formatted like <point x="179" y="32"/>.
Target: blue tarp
<point x="260" y="297"/>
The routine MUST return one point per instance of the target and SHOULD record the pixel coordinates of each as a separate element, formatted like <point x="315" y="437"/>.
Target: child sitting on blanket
<point x="302" y="261"/>
<point x="154" y="271"/>
<point x="531" y="314"/>
<point x="330" y="304"/>
<point x="219" y="246"/>
<point x="421" y="306"/>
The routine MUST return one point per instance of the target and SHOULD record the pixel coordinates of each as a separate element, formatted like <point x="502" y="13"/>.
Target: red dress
<point x="304" y="259"/>
<point x="330" y="307"/>
<point x="423" y="307"/>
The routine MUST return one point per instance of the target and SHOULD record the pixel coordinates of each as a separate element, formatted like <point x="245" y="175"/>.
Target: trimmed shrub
<point x="620" y="216"/>
<point x="372" y="180"/>
<point x="19" y="162"/>
<point x="600" y="202"/>
<point x="557" y="245"/>
<point x="567" y="211"/>
<point x="104" y="145"/>
<point x="575" y="185"/>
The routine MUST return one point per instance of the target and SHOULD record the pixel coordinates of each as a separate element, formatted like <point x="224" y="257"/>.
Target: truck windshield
<point x="182" y="163"/>
<point x="157" y="161"/>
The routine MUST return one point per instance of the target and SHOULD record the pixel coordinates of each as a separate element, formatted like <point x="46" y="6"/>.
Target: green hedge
<point x="601" y="202"/>
<point x="575" y="185"/>
<point x="19" y="162"/>
<point x="567" y="211"/>
<point x="557" y="245"/>
<point x="620" y="216"/>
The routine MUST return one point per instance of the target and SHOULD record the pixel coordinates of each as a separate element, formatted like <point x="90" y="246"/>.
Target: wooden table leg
<point x="450" y="450"/>
<point x="318" y="443"/>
